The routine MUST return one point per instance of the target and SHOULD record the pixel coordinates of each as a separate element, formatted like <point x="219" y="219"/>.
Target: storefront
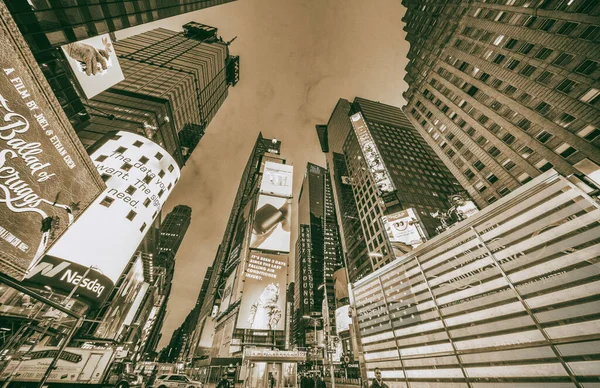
<point x="266" y="368"/>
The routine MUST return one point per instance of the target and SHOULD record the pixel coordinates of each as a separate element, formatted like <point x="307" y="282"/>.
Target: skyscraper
<point x="318" y="254"/>
<point x="48" y="25"/>
<point x="506" y="90"/>
<point x="174" y="113"/>
<point x="393" y="173"/>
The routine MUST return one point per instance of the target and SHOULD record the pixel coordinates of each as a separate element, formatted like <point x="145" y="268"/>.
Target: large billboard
<point x="46" y="177"/>
<point x="140" y="175"/>
<point x="277" y="179"/>
<point x="271" y="226"/>
<point x="403" y="231"/>
<point x="94" y="63"/>
<point x="264" y="295"/>
<point x="377" y="168"/>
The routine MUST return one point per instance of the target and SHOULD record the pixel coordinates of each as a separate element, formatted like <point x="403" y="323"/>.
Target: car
<point x="176" y="381"/>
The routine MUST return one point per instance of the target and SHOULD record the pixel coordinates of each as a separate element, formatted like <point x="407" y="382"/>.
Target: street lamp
<point x="327" y="323"/>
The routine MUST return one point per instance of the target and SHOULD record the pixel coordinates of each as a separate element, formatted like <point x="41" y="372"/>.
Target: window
<point x="498" y="40"/>
<point x="492" y="178"/>
<point x="471" y="131"/>
<point x="525" y="152"/>
<point x="143" y="160"/>
<point x="545" y="77"/>
<point x="508" y="164"/>
<point x="564" y="120"/>
<point x="480" y="187"/>
<point x="479" y="165"/>
<point x="544" y="53"/>
<point x="529" y="22"/>
<point x="524" y="124"/>
<point x="543" y="165"/>
<point x="503" y="191"/>
<point x="547" y="24"/>
<point x="526" y="48"/>
<point x="492" y="199"/>
<point x="494" y="151"/>
<point x="481" y="140"/>
<point x="508" y="139"/>
<point x="469" y="174"/>
<point x="458" y="144"/>
<point x="450" y="152"/>
<point x="543" y="108"/>
<point x="524" y="98"/>
<point x="565" y="150"/>
<point x="566" y="86"/>
<point x="528" y="70"/>
<point x="524" y="178"/>
<point x="499" y="58"/>
<point x="130" y="190"/>
<point x="137" y="143"/>
<point x="512" y="63"/>
<point x="158" y="156"/>
<point x="509" y="90"/>
<point x="590" y="33"/>
<point x="587" y="67"/>
<point x="107" y="201"/>
<point x="592" y="96"/>
<point x="563" y="59"/>
<point x="131" y="215"/>
<point x="101" y="158"/>
<point x="589" y="133"/>
<point x="543" y="136"/>
<point x="567" y="28"/>
<point x="511" y="43"/>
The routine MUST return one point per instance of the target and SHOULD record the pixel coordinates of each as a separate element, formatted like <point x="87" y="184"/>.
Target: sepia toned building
<point x="505" y="90"/>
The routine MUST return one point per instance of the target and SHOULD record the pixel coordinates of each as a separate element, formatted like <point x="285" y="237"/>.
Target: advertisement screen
<point x="264" y="296"/>
<point x="140" y="175"/>
<point x="46" y="177"/>
<point x="271" y="226"/>
<point x="121" y="305"/>
<point x="379" y="172"/>
<point x="94" y="63"/>
<point x="402" y="230"/>
<point x="277" y="179"/>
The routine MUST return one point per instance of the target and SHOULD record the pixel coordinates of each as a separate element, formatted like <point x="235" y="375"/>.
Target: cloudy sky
<point x="297" y="58"/>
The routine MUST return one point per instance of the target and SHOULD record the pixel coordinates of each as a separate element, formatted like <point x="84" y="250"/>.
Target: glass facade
<point x="507" y="298"/>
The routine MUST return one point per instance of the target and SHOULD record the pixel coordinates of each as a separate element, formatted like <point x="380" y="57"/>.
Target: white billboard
<point x="342" y="319"/>
<point x="277" y="179"/>
<point x="377" y="168"/>
<point x="271" y="225"/>
<point x="402" y="228"/>
<point x="140" y="175"/>
<point x="94" y="63"/>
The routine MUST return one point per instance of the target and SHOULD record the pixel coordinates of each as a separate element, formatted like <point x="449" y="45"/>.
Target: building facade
<point x="175" y="114"/>
<point x="506" y="90"/>
<point x="48" y="26"/>
<point x="505" y="298"/>
<point x="318" y="255"/>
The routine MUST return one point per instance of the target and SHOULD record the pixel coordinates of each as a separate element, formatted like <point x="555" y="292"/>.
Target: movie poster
<point x="46" y="178"/>
<point x="264" y="296"/>
<point x="402" y="229"/>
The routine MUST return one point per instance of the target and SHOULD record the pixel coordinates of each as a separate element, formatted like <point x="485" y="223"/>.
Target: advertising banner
<point x="46" y="177"/>
<point x="94" y="63"/>
<point x="377" y="168"/>
<point x="402" y="230"/>
<point x="264" y="295"/>
<point x="342" y="319"/>
<point x="140" y="175"/>
<point x="75" y="366"/>
<point x="277" y="179"/>
<point x="271" y="226"/>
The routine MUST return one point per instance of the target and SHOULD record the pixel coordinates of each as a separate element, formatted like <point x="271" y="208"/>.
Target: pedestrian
<point x="272" y="381"/>
<point x="378" y="382"/>
<point x="320" y="383"/>
<point x="224" y="383"/>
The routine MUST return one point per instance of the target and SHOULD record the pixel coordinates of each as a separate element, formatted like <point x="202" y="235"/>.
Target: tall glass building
<point x="505" y="90"/>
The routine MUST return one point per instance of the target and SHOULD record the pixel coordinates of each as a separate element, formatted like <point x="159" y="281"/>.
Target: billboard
<point x="271" y="226"/>
<point x="94" y="63"/>
<point x="402" y="229"/>
<point x="277" y="179"/>
<point x="46" y="177"/>
<point x="140" y="175"/>
<point x="377" y="168"/>
<point x="264" y="295"/>
<point x="342" y="319"/>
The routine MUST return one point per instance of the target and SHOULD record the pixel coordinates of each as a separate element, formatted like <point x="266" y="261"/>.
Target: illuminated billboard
<point x="277" y="179"/>
<point x="403" y="231"/>
<point x="264" y="295"/>
<point x="377" y="168"/>
<point x="46" y="177"/>
<point x="271" y="226"/>
<point x="140" y="175"/>
<point x="94" y="63"/>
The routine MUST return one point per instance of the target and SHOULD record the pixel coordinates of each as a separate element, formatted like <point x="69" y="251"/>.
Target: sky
<point x="297" y="58"/>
